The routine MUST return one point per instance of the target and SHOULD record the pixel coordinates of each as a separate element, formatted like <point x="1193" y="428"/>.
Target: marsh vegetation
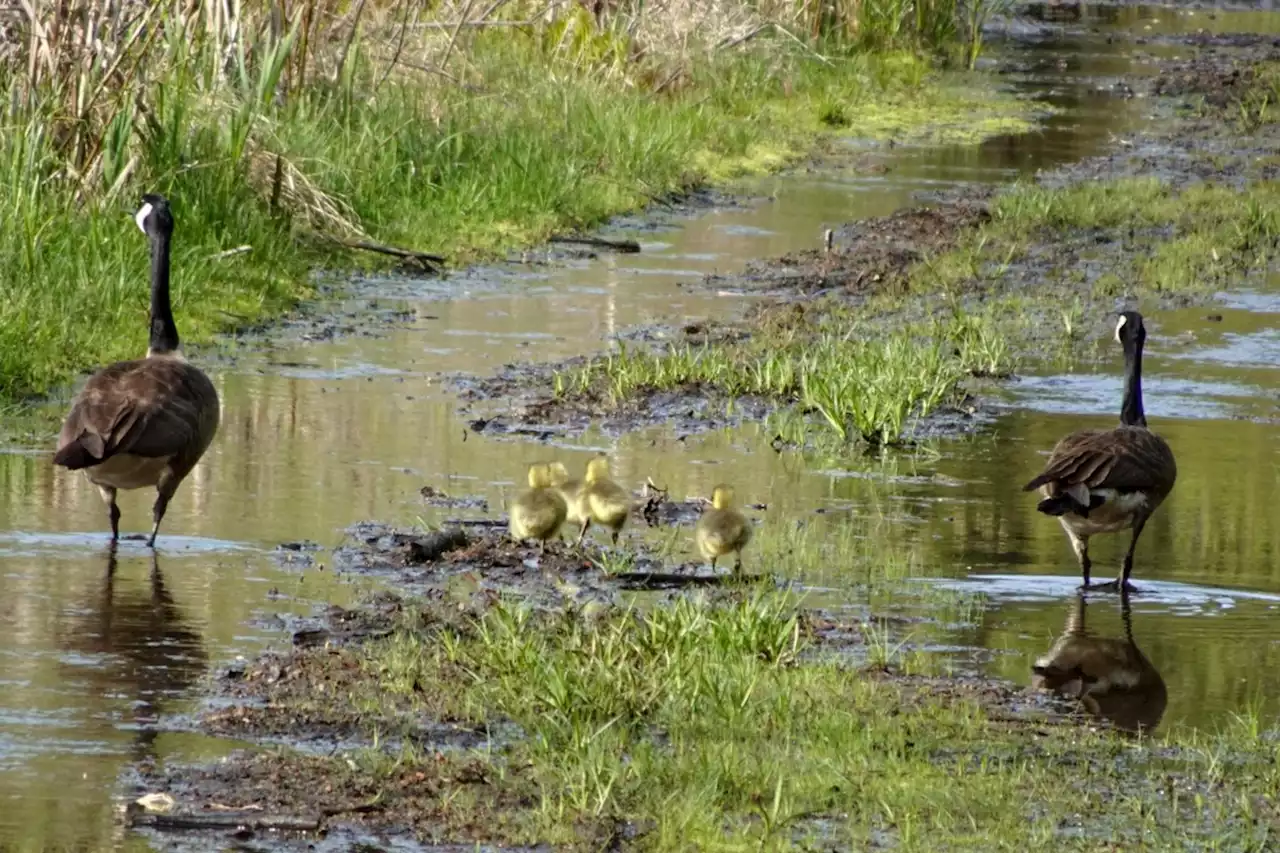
<point x="287" y="134"/>
<point x="718" y="719"/>
<point x="908" y="314"/>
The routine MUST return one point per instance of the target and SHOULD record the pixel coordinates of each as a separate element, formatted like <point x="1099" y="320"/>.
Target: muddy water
<point x="318" y="436"/>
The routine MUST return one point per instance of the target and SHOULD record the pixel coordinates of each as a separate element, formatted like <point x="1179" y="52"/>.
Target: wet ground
<point x="338" y="421"/>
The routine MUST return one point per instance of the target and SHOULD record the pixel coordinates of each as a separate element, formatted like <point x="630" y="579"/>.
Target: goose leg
<point x="113" y="512"/>
<point x="166" y="489"/>
<point x="737" y="562"/>
<point x="713" y="564"/>
<point x="1080" y="544"/>
<point x="586" y="522"/>
<point x="1127" y="566"/>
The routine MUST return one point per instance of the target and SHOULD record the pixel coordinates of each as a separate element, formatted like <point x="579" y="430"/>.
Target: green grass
<point x="739" y="719"/>
<point x="725" y="724"/>
<point x="1191" y="239"/>
<point x="529" y="132"/>
<point x="1257" y="107"/>
<point x="857" y="382"/>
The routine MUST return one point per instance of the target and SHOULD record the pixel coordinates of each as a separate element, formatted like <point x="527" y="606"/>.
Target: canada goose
<point x="571" y="491"/>
<point x="603" y="501"/>
<point x="538" y="512"/>
<point x="722" y="529"/>
<point x="1102" y="481"/>
<point x="1110" y="677"/>
<point x="145" y="422"/>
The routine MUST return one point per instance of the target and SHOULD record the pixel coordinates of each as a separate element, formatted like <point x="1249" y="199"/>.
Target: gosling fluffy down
<point x="604" y="501"/>
<point x="571" y="491"/>
<point x="722" y="529"/>
<point x="538" y="512"/>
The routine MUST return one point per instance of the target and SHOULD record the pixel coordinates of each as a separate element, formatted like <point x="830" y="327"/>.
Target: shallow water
<point x="317" y="436"/>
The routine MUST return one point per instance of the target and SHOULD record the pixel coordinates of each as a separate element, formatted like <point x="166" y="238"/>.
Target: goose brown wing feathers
<point x="150" y="407"/>
<point x="1126" y="459"/>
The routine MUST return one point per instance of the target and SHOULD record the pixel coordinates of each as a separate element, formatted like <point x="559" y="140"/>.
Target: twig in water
<point x="425" y="261"/>
<point x="627" y="247"/>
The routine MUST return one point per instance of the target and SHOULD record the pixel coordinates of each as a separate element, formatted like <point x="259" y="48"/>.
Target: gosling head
<point x="539" y="476"/>
<point x="597" y="469"/>
<point x="722" y="497"/>
<point x="559" y="473"/>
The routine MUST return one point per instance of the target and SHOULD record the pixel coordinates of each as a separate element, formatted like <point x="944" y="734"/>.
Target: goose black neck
<point x="1131" y="412"/>
<point x="164" y="333"/>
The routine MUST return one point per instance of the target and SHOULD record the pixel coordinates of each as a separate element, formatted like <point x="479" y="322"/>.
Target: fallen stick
<point x="624" y="246"/>
<point x="665" y="580"/>
<point x="734" y="42"/>
<point x="227" y="820"/>
<point x="429" y="262"/>
<point x="228" y="253"/>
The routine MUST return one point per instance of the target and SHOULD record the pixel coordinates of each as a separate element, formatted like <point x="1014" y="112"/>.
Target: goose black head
<point x="154" y="217"/>
<point x="1129" y="329"/>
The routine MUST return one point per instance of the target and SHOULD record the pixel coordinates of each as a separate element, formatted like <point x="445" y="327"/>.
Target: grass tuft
<point x="859" y="384"/>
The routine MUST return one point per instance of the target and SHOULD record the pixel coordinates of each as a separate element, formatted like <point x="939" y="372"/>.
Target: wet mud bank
<point x="462" y="718"/>
<point x="1005" y="278"/>
<point x="406" y="719"/>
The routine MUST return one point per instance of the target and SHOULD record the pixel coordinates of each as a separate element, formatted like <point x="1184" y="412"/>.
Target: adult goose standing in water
<point x="146" y="422"/>
<point x="1103" y="481"/>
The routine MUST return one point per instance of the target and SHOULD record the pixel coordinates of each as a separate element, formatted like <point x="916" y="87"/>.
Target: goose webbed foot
<point x="1117" y="585"/>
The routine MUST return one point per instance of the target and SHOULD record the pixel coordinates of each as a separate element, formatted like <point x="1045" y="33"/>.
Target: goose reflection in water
<point x="1110" y="677"/>
<point x="148" y="652"/>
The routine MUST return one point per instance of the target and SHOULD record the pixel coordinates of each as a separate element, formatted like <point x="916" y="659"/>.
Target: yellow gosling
<point x="604" y="501"/>
<point x="538" y="512"/>
<point x="571" y="491"/>
<point x="722" y="529"/>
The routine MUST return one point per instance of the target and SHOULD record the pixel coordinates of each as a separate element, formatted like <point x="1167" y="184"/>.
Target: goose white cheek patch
<point x="141" y="217"/>
<point x="1119" y="324"/>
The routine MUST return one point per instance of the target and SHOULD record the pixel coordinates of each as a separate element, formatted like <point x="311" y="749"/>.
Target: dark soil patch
<point x="868" y="255"/>
<point x="474" y="562"/>
<point x="259" y="796"/>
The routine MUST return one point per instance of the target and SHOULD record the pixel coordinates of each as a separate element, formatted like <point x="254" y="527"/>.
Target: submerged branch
<point x="625" y="246"/>
<point x="423" y="260"/>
